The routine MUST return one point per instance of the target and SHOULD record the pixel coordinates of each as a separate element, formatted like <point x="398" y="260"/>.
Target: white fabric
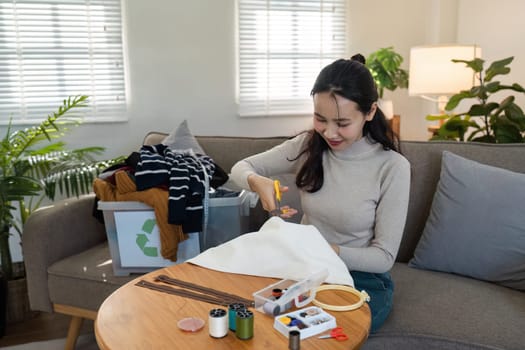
<point x="280" y="250"/>
<point x="362" y="205"/>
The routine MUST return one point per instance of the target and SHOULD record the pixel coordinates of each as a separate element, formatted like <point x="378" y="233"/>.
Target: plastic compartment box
<point x="309" y="321"/>
<point x="292" y="293"/>
<point x="134" y="240"/>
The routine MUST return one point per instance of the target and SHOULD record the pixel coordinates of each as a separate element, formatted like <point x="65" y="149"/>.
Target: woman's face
<point x="338" y="120"/>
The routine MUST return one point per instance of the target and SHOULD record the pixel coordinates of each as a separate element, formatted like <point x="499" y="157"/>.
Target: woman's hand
<point x="287" y="212"/>
<point x="264" y="187"/>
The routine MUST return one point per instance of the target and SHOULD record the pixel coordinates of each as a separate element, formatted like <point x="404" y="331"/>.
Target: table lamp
<point x="433" y="75"/>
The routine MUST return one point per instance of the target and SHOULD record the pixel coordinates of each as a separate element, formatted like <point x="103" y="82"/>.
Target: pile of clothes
<point x="172" y="182"/>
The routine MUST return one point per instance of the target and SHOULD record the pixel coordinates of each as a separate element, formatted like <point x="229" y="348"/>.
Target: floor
<point x="42" y="326"/>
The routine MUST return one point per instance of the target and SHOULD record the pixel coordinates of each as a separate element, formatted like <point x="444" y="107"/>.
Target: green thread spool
<point x="232" y="314"/>
<point x="244" y="323"/>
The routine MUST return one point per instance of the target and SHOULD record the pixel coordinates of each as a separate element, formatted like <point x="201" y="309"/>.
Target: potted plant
<point x="34" y="165"/>
<point x="385" y="66"/>
<point x="486" y="120"/>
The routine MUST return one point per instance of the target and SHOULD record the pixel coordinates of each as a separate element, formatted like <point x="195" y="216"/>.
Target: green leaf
<point x="492" y="87"/>
<point x="484" y="138"/>
<point x="456" y="99"/>
<point x="507" y="101"/>
<point x="482" y="110"/>
<point x="515" y="114"/>
<point x="473" y="134"/>
<point x="445" y="134"/>
<point x="507" y="134"/>
<point x="85" y="179"/>
<point x="49" y="149"/>
<point x="498" y="68"/>
<point x="434" y="117"/>
<point x="476" y="64"/>
<point x="14" y="188"/>
<point x="517" y="87"/>
<point x="74" y="172"/>
<point x="459" y="126"/>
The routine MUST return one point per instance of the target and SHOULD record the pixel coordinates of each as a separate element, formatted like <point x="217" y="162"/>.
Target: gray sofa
<point x="66" y="257"/>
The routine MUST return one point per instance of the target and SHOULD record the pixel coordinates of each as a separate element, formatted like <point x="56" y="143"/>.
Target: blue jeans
<point x="380" y="287"/>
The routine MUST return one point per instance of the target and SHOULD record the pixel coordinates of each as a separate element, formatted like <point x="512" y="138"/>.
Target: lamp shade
<point x="432" y="72"/>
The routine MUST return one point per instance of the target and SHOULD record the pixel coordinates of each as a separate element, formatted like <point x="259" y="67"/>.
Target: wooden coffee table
<point x="134" y="317"/>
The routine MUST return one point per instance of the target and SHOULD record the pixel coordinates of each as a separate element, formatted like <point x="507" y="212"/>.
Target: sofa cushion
<point x="425" y="161"/>
<point x="436" y="310"/>
<point x="182" y="139"/>
<point x="476" y="226"/>
<point x="84" y="280"/>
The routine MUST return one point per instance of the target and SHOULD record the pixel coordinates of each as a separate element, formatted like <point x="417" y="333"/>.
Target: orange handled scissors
<point x="277" y="189"/>
<point x="336" y="333"/>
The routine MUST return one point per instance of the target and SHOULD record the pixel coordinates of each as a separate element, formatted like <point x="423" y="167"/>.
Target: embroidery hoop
<point x="363" y="296"/>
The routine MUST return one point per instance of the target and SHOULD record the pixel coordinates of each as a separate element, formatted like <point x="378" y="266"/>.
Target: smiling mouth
<point x="334" y="143"/>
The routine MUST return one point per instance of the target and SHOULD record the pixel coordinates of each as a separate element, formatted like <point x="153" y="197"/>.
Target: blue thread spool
<point x="232" y="314"/>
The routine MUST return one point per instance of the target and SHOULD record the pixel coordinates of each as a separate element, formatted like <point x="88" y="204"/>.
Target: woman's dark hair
<point x="352" y="80"/>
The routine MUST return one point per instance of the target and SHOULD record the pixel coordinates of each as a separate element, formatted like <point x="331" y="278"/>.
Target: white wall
<point x="497" y="27"/>
<point x="402" y="24"/>
<point x="181" y="62"/>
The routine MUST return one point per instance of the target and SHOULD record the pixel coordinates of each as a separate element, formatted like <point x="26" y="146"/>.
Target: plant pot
<point x="3" y="303"/>
<point x="17" y="307"/>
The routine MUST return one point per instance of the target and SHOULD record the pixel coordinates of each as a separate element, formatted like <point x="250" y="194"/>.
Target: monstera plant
<point x="385" y="66"/>
<point x="493" y="117"/>
<point x="35" y="165"/>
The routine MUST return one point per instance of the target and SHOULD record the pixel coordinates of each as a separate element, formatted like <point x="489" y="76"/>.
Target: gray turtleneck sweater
<point x="362" y="204"/>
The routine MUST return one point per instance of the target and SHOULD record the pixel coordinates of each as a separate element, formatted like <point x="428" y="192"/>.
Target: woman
<point x="353" y="182"/>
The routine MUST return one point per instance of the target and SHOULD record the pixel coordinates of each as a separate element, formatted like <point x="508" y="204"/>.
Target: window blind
<point x="283" y="44"/>
<point x="50" y="50"/>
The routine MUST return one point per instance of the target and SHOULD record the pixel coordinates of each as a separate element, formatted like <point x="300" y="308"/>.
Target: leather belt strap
<point x="201" y="289"/>
<point x="204" y="294"/>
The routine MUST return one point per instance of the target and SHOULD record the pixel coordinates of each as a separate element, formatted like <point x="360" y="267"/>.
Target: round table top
<point x="135" y="317"/>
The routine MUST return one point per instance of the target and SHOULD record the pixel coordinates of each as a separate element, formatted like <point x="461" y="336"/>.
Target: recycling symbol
<point x="142" y="239"/>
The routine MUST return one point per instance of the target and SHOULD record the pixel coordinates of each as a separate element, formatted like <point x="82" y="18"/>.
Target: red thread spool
<point x="277" y="293"/>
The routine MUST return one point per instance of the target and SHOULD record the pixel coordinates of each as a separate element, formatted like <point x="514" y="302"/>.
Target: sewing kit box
<point x="134" y="240"/>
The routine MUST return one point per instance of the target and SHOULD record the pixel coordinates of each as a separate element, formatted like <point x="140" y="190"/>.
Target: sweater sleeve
<point x="278" y="160"/>
<point x="379" y="256"/>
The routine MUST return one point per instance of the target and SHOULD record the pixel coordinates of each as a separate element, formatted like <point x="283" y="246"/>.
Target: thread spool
<point x="232" y="314"/>
<point x="218" y="323"/>
<point x="294" y="340"/>
<point x="271" y="308"/>
<point x="244" y="324"/>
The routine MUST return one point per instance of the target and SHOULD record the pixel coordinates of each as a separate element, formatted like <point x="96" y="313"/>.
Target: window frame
<point x="251" y="45"/>
<point x="59" y="49"/>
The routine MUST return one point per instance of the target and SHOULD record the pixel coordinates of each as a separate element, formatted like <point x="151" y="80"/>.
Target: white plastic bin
<point x="134" y="239"/>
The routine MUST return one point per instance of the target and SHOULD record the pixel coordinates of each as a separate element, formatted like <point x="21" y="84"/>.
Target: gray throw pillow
<point x="476" y="225"/>
<point x="182" y="139"/>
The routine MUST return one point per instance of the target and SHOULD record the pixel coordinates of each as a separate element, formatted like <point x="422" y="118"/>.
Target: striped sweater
<point x="184" y="174"/>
